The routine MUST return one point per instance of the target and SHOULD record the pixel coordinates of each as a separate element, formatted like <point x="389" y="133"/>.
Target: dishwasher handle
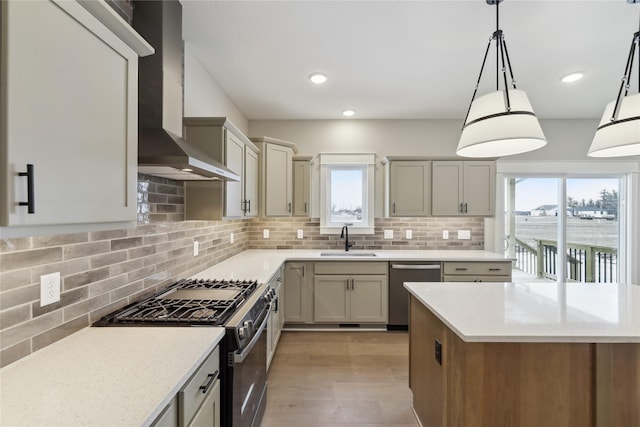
<point x="415" y="266"/>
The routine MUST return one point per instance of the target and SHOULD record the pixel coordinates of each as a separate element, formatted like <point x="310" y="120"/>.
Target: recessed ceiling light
<point x="186" y="170"/>
<point x="573" y="77"/>
<point x="318" y="78"/>
<point x="348" y="113"/>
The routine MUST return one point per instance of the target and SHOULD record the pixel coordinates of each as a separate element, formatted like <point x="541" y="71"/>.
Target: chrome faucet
<point x="344" y="234"/>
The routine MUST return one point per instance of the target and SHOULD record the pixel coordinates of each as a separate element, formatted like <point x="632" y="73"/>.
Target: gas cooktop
<point x="187" y="302"/>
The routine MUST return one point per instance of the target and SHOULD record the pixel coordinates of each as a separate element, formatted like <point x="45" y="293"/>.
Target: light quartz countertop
<point x="535" y="312"/>
<point x="109" y="376"/>
<point x="261" y="264"/>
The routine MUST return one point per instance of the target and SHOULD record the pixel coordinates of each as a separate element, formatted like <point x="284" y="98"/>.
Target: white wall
<point x="203" y="96"/>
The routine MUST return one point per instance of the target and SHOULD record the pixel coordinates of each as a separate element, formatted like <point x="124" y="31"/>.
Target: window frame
<point x="629" y="200"/>
<point x="345" y="161"/>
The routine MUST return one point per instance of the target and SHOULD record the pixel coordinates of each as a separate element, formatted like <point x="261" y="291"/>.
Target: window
<point x="589" y="229"/>
<point x="346" y="193"/>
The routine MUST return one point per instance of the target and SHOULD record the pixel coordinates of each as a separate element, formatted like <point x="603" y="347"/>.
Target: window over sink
<point x="347" y="193"/>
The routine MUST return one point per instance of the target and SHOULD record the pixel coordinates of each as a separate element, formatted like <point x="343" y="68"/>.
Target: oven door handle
<point x="239" y="357"/>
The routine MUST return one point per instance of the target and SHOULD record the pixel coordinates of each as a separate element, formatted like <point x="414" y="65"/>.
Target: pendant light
<point x="619" y="131"/>
<point x="500" y="123"/>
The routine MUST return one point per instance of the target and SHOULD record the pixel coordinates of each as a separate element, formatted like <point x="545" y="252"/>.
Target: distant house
<point x="590" y="212"/>
<point x="545" y="210"/>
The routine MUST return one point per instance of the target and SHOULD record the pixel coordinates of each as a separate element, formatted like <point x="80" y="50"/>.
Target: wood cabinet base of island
<point x="511" y="384"/>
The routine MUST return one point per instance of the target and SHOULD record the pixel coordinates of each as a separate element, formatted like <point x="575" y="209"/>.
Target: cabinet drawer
<point x="191" y="396"/>
<point x="349" y="267"/>
<point x="484" y="268"/>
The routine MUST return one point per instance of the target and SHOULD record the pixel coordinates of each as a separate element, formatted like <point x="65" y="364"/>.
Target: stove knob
<point x="248" y="325"/>
<point x="243" y="332"/>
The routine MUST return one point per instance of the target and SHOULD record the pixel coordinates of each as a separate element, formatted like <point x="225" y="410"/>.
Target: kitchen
<point x="104" y="269"/>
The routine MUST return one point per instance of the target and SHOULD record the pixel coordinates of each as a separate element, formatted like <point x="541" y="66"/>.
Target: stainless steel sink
<point x="348" y="254"/>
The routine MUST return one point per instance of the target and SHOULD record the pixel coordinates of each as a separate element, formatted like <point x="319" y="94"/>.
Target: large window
<point x="565" y="228"/>
<point x="346" y="193"/>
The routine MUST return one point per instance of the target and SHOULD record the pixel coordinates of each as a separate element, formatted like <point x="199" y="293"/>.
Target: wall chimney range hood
<point x="161" y="150"/>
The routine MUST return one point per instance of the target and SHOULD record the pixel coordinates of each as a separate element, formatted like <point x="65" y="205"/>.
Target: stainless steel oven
<point x="242" y="307"/>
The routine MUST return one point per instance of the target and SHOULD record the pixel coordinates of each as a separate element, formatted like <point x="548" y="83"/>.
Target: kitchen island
<point x="525" y="354"/>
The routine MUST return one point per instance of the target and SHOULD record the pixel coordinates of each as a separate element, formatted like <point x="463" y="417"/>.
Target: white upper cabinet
<point x="220" y="139"/>
<point x="463" y="188"/>
<point x="302" y="186"/>
<point x="69" y="108"/>
<point x="276" y="176"/>
<point x="409" y="188"/>
<point x="250" y="204"/>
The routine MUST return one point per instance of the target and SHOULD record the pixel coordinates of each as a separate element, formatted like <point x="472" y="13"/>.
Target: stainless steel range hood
<point x="161" y="151"/>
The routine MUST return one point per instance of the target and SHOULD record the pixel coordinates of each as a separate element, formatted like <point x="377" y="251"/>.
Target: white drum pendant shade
<point x="490" y="131"/>
<point x="622" y="136"/>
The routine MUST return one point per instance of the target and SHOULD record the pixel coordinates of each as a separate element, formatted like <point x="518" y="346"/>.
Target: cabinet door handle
<point x="347" y="284"/>
<point x="394" y="208"/>
<point x="353" y="284"/>
<point x="304" y="267"/>
<point x="461" y="269"/>
<point x="31" y="202"/>
<point x="465" y="208"/>
<point x="495" y="269"/>
<point x="249" y="206"/>
<point x="212" y="378"/>
<point x="275" y="305"/>
<point x="460" y="208"/>
<point x="289" y="207"/>
<point x="305" y="207"/>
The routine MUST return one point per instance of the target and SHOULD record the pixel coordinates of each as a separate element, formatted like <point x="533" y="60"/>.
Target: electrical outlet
<point x="265" y="233"/>
<point x="49" y="288"/>
<point x="196" y="248"/>
<point x="300" y="234"/>
<point x="231" y="238"/>
<point x="408" y="234"/>
<point x="388" y="234"/>
<point x="464" y="234"/>
<point x="445" y="234"/>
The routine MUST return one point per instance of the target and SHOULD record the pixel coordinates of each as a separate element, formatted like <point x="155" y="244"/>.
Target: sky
<point x="534" y="192"/>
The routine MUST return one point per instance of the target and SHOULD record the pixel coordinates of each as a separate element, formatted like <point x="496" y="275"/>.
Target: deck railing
<point x="585" y="263"/>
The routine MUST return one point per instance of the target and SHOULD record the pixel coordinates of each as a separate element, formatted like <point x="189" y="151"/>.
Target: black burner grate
<point x="164" y="308"/>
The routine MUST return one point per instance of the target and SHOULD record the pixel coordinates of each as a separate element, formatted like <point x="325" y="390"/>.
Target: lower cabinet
<point x="276" y="316"/>
<point x="197" y="404"/>
<point x="298" y="292"/>
<point x="479" y="271"/>
<point x="350" y="298"/>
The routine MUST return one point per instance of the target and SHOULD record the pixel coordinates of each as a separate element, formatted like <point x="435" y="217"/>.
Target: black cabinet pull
<point x="212" y="378"/>
<point x="30" y="203"/>
<point x="305" y="207"/>
<point x="249" y="206"/>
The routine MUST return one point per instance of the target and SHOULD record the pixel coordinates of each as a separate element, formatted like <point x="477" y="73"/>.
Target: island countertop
<point x="535" y="312"/>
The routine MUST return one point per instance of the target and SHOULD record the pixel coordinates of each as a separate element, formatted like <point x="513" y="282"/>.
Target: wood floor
<point x="340" y="379"/>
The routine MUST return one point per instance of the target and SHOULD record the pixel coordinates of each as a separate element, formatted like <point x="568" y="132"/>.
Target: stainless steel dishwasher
<point x="407" y="271"/>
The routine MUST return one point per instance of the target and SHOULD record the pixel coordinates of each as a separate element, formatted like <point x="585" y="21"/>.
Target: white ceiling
<point x="408" y="59"/>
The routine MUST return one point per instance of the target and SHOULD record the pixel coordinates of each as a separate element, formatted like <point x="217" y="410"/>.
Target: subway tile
<point x="130" y="242"/>
<point x="16" y="260"/>
<point x="59" y="240"/>
<point x="85" y="306"/>
<point x="11" y="245"/>
<point x="44" y="339"/>
<point x="125" y="267"/>
<point x="15" y="315"/>
<point x="15" y="352"/>
<point x="109" y="258"/>
<point x="14" y="335"/>
<point x="18" y="296"/>
<point x="85" y="249"/>
<point x="142" y="251"/>
<point x="142" y="273"/>
<point x="107" y="235"/>
<point x="84" y="278"/>
<point x="107" y="285"/>
<point x="14" y="279"/>
<point x="126" y="290"/>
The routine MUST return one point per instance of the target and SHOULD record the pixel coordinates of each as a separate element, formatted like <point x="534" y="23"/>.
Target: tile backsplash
<point x="104" y="270"/>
